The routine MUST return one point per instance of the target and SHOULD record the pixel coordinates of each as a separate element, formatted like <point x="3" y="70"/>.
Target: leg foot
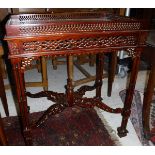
<point x="122" y="132"/>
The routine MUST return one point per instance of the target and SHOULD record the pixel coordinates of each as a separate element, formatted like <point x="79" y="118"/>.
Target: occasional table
<point x="31" y="36"/>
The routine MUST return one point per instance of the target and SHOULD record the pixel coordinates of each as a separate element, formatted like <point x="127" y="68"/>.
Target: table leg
<point x="3" y="95"/>
<point x="147" y="102"/>
<point x="3" y="139"/>
<point x="44" y="73"/>
<point x="69" y="88"/>
<point x="22" y="102"/>
<point x="111" y="71"/>
<point x="99" y="74"/>
<point x="122" y="131"/>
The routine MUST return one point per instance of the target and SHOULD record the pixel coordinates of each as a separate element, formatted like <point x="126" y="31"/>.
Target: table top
<point x="72" y="33"/>
<point x="57" y="23"/>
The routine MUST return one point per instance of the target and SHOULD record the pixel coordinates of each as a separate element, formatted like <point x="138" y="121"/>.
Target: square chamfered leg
<point x="3" y="95"/>
<point x="122" y="131"/>
<point x="18" y="72"/>
<point x="3" y="138"/>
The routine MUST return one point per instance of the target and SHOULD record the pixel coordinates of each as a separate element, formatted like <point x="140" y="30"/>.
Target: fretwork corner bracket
<point x="26" y="62"/>
<point x="79" y="100"/>
<point x="134" y="52"/>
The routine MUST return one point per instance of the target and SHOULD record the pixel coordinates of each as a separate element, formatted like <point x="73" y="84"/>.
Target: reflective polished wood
<point x="3" y="139"/>
<point x="30" y="36"/>
<point x="2" y="89"/>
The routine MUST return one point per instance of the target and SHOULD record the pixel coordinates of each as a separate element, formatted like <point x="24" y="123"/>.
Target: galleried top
<point x="76" y="22"/>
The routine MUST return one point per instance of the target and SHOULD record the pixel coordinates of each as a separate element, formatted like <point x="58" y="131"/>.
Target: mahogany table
<point x="30" y="36"/>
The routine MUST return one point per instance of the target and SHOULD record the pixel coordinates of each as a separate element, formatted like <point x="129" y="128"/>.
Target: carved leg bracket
<point x="53" y="96"/>
<point x="52" y="110"/>
<point x="61" y="102"/>
<point x="82" y="90"/>
<point x="92" y="102"/>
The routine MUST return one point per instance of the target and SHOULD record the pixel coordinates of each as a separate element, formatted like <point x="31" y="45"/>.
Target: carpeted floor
<point x="74" y="126"/>
<point x="136" y="115"/>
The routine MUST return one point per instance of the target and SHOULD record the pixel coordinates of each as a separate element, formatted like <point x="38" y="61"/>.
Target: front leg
<point x="22" y="101"/>
<point x="122" y="131"/>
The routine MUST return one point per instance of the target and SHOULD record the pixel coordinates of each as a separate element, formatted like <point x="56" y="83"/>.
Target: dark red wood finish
<point x="3" y="95"/>
<point x="3" y="138"/>
<point x="30" y="36"/>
